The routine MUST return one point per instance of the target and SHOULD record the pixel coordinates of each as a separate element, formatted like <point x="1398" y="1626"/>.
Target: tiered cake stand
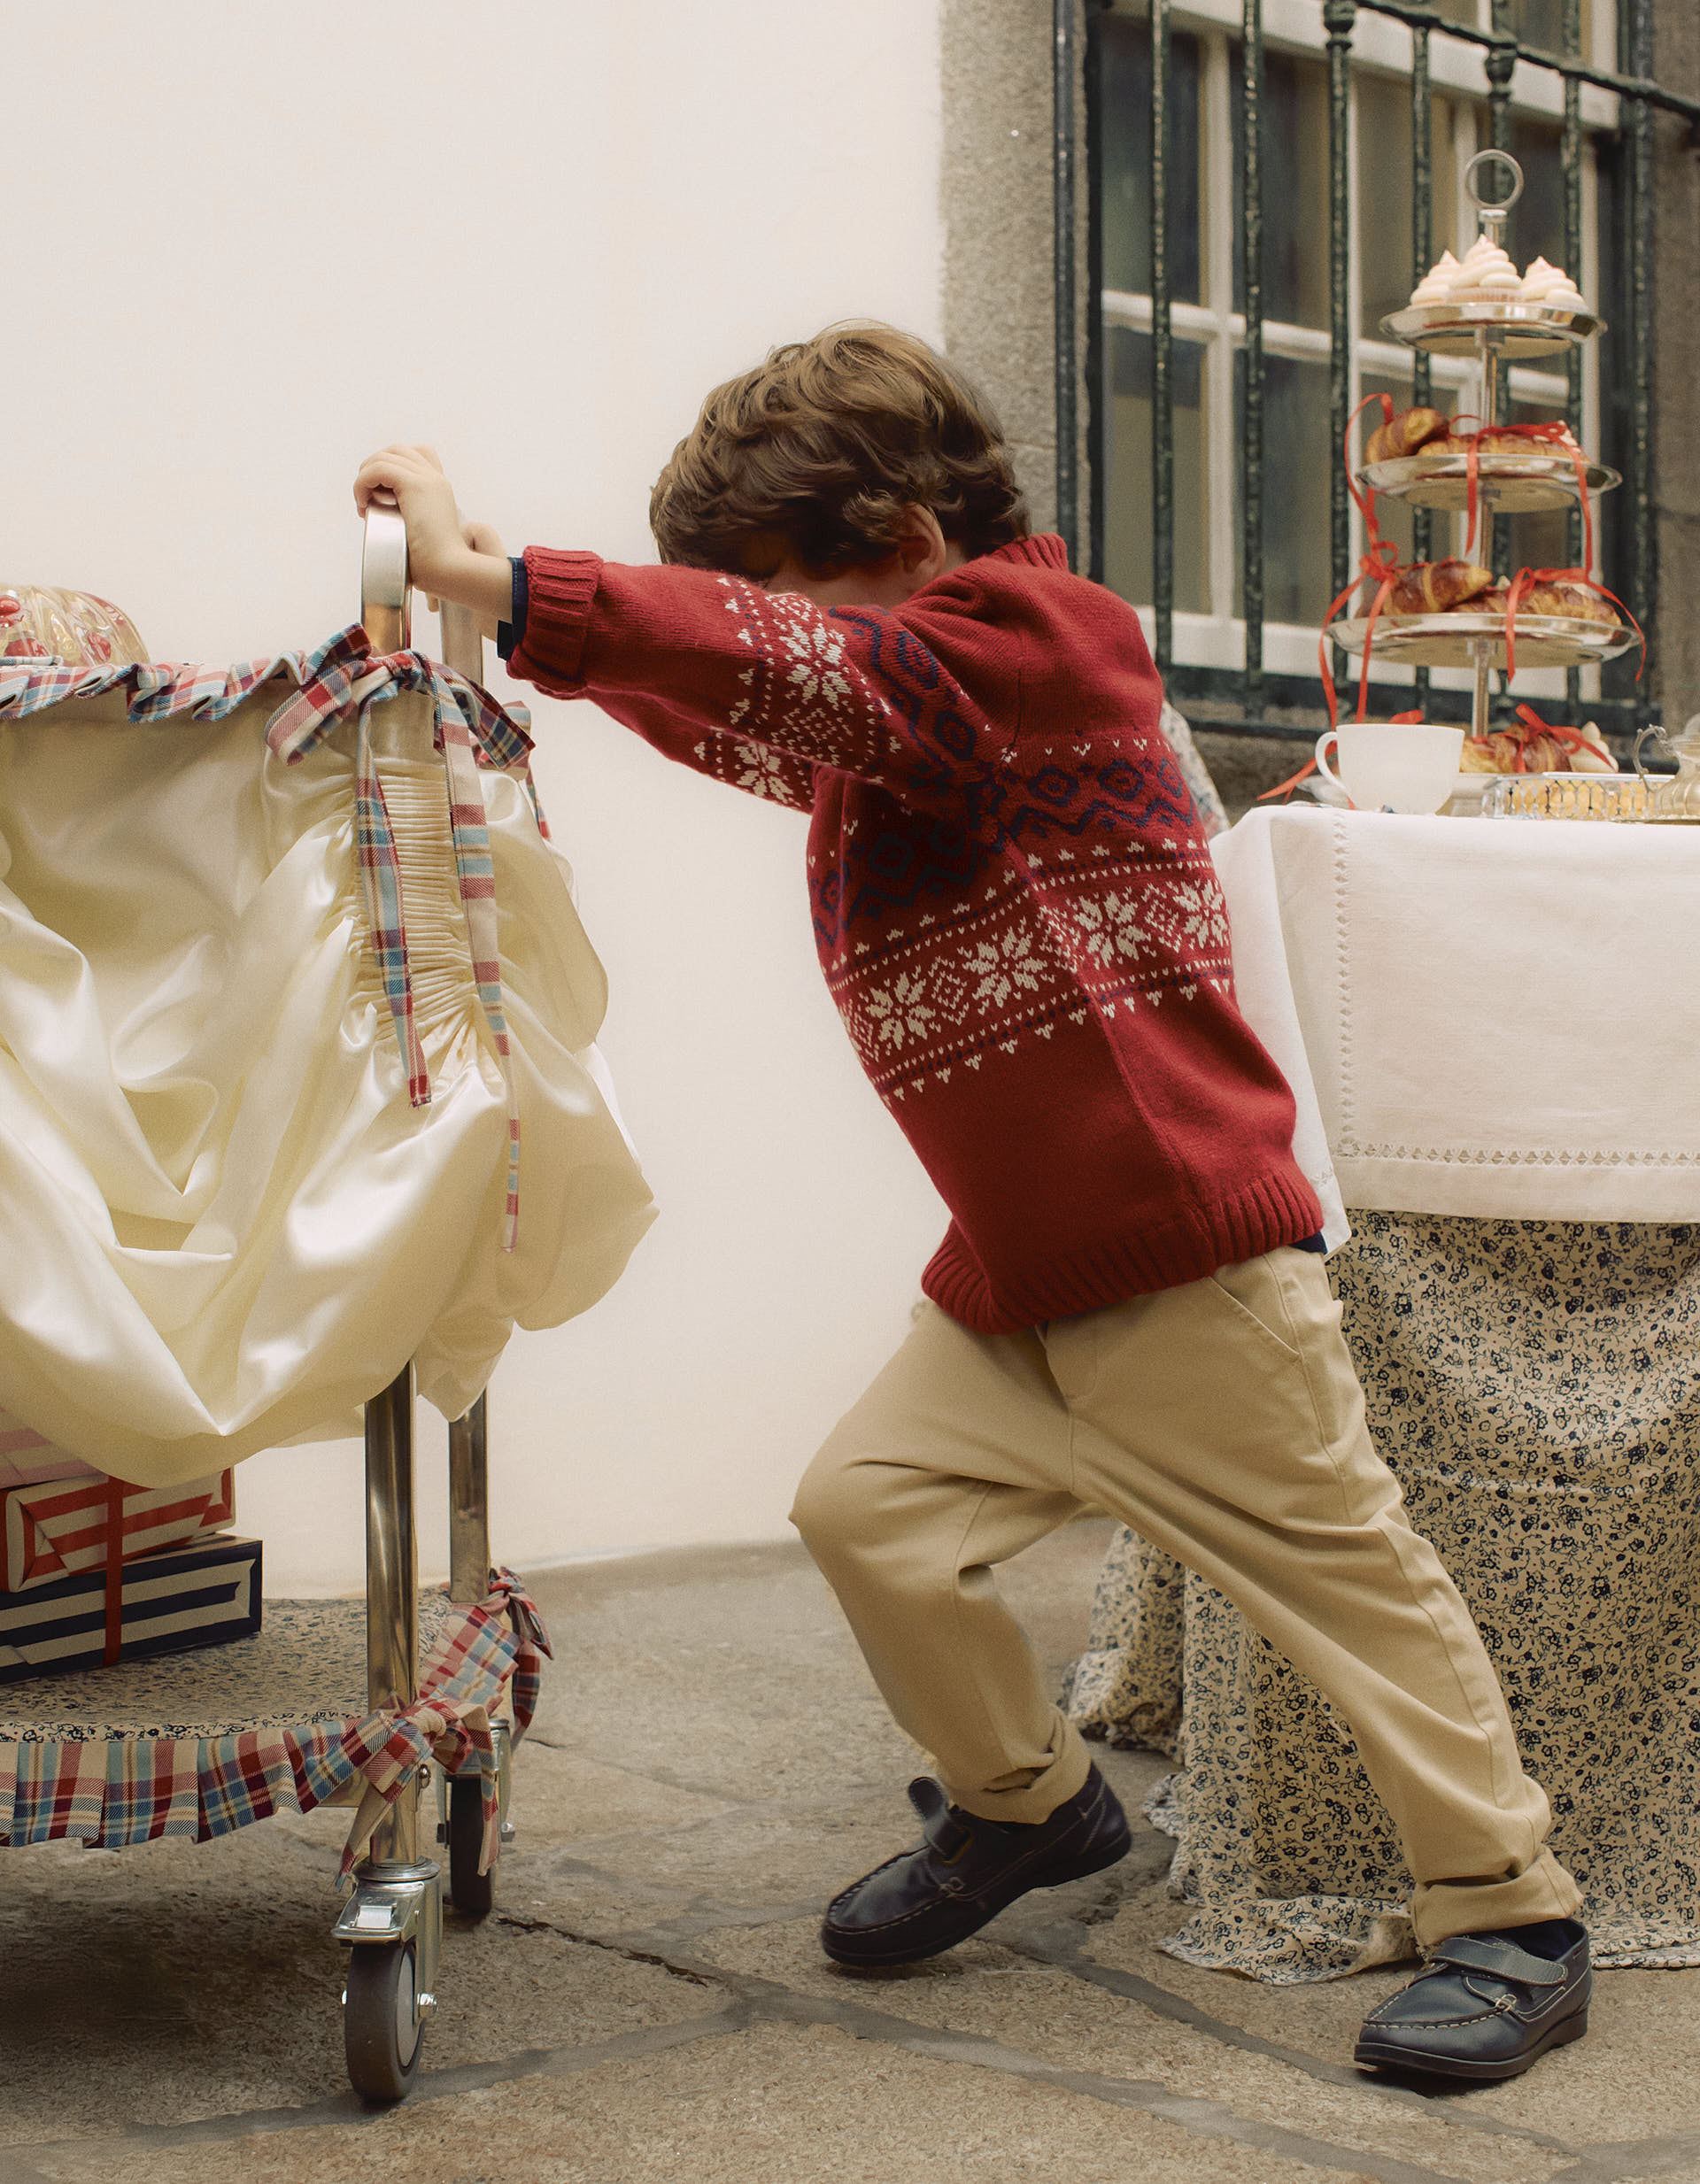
<point x="1496" y="335"/>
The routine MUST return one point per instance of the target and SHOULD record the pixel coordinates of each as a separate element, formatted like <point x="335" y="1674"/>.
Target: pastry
<point x="1574" y="600"/>
<point x="1528" y="748"/>
<point x="1492" y="442"/>
<point x="1439" y="588"/>
<point x="1435" y="287"/>
<point x="1403" y="435"/>
<point x="1485" y="274"/>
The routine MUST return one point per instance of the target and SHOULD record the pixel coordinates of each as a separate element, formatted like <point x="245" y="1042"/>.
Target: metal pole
<point x="1573" y="166"/>
<point x="1339" y="16"/>
<point x="392" y="1588"/>
<point x="1098" y="427"/>
<point x="1251" y="473"/>
<point x="1500" y="61"/>
<point x="1162" y="417"/>
<point x="1422" y="257"/>
<point x="1063" y="254"/>
<point x="1644" y="560"/>
<point x="469" y="1507"/>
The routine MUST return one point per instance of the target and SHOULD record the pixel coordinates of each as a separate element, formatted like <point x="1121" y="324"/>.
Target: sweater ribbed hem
<point x="560" y="589"/>
<point x="1277" y="1209"/>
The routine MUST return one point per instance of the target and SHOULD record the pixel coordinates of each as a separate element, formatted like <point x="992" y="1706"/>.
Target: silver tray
<point x="1519" y="481"/>
<point x="1514" y="329"/>
<point x="1458" y="640"/>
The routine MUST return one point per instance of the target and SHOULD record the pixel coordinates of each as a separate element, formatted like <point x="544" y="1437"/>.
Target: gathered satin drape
<point x="222" y="1222"/>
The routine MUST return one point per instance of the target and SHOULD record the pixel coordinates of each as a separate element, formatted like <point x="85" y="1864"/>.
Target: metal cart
<point x="392" y="1922"/>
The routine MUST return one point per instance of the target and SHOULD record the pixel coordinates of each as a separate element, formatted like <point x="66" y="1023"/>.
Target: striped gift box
<point x="26" y="1457"/>
<point x="200" y="1595"/>
<point x="60" y="1528"/>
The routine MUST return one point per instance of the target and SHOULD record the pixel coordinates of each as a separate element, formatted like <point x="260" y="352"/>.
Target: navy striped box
<point x="174" y="1598"/>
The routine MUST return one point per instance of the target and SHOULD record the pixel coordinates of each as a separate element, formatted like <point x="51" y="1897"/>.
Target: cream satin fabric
<point x="221" y="1224"/>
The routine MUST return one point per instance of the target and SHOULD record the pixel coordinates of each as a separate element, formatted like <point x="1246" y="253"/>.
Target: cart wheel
<point x="382" y="2031"/>
<point x="469" y="1890"/>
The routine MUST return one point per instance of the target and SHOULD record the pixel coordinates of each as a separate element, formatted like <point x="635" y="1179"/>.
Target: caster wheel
<point x="469" y="1890"/>
<point x="382" y="2033"/>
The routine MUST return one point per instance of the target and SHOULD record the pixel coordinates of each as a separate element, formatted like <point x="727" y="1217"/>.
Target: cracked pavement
<point x="649" y="2001"/>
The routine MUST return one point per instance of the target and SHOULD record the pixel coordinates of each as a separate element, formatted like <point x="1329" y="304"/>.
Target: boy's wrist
<point x="483" y="582"/>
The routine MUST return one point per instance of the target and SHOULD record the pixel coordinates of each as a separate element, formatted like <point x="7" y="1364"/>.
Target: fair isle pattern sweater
<point x="1014" y="902"/>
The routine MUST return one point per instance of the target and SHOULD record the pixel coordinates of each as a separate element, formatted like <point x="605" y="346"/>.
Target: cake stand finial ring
<point x="1493" y="211"/>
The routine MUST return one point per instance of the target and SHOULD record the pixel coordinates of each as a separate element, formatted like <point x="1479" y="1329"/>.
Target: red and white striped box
<point x="28" y="1457"/>
<point x="63" y="1527"/>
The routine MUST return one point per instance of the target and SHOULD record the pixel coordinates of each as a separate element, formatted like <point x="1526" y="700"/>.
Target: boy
<point x="1018" y="915"/>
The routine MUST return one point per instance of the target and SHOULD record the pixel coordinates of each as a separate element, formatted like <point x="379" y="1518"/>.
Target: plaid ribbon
<point x="119" y="1790"/>
<point x="533" y="1646"/>
<point x="344" y="677"/>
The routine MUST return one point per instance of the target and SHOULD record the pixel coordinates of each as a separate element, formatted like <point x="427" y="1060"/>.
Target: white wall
<point x="246" y="246"/>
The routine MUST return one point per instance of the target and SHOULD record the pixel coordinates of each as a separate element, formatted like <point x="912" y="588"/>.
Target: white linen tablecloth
<point x="1492" y="1018"/>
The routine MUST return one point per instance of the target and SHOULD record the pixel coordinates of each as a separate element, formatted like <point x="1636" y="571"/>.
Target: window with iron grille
<point x="1216" y="403"/>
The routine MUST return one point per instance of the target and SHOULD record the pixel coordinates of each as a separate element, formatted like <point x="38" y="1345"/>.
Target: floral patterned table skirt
<point x="1535" y="1387"/>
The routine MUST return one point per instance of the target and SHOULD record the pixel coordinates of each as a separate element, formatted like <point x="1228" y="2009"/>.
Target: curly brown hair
<point x="817" y="452"/>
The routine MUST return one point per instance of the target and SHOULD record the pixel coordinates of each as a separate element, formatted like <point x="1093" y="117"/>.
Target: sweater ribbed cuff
<point x="560" y="589"/>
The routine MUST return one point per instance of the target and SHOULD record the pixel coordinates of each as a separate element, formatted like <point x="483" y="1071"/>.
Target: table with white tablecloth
<point x="1490" y="1031"/>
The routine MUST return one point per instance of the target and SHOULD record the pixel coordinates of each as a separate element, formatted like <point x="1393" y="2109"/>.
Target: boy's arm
<point x="734" y="681"/>
<point x="773" y="775"/>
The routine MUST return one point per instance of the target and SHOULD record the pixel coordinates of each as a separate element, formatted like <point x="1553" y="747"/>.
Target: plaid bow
<point x="346" y="676"/>
<point x="476" y="1653"/>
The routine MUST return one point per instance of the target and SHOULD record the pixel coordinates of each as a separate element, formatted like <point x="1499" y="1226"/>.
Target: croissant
<point x="1499" y="753"/>
<point x="1403" y="435"/>
<point x="1438" y="587"/>
<point x="1489" y="444"/>
<point x="1574" y="600"/>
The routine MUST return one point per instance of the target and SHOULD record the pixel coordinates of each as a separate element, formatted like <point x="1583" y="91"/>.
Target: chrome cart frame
<point x="393" y="1924"/>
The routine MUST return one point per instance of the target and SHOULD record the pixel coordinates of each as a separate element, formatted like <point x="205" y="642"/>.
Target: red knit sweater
<point x="1014" y="902"/>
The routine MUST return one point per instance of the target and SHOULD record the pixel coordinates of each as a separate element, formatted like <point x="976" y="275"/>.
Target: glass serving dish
<point x="42" y="621"/>
<point x="1568" y="796"/>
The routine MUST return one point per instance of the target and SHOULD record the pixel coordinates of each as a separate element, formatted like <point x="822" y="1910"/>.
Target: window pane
<point x="1386" y="182"/>
<point x="1537" y="222"/>
<point x="1128" y="562"/>
<point x="1541" y="23"/>
<point x="1297" y="465"/>
<point x="1126" y="50"/>
<point x="1295" y="189"/>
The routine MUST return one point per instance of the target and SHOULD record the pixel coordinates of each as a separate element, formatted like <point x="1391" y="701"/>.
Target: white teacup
<point x="1400" y="765"/>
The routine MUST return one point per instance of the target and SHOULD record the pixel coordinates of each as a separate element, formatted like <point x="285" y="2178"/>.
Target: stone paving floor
<point x="648" y="2002"/>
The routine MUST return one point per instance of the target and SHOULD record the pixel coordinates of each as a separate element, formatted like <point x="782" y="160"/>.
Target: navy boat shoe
<point x="1484" y="2008"/>
<point x="965" y="1871"/>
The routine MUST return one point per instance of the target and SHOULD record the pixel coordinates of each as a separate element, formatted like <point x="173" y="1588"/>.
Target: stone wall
<point x="998" y="215"/>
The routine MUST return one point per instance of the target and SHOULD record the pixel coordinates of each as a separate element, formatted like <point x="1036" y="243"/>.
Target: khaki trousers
<point x="1223" y="1421"/>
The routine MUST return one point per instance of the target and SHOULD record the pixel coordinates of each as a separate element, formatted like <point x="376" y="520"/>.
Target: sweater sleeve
<point x="754" y="688"/>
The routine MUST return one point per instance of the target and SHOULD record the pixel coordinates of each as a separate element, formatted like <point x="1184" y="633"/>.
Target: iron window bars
<point x="1245" y="698"/>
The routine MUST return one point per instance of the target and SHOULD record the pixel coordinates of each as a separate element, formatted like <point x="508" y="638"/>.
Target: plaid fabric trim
<point x="532" y="1645"/>
<point x="116" y="1792"/>
<point x="57" y="1790"/>
<point x="345" y="677"/>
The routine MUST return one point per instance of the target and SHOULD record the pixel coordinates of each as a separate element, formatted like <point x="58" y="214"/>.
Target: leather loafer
<point x="1480" y="2008"/>
<point x="965" y="1871"/>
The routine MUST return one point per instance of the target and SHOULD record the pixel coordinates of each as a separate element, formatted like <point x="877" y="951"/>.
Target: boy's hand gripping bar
<point x="386" y="597"/>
